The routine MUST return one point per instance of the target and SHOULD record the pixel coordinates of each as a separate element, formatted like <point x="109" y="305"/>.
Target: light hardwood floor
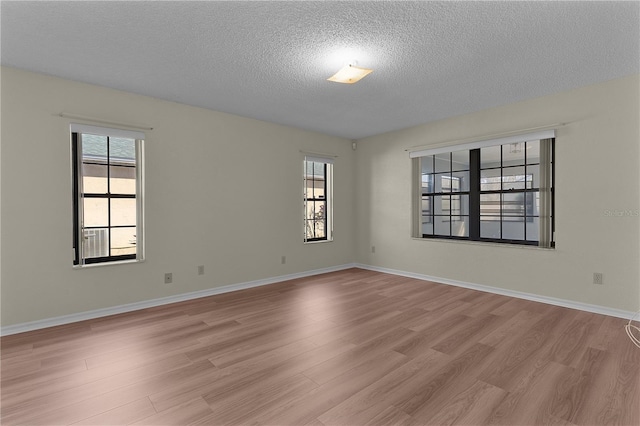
<point x="353" y="347"/>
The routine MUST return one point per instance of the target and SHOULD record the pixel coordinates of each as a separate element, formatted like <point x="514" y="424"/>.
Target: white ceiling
<point x="270" y="60"/>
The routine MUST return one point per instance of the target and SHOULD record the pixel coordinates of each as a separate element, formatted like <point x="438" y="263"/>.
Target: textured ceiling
<point x="270" y="60"/>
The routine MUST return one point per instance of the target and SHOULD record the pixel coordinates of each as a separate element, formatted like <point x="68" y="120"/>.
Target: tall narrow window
<point x="493" y="191"/>
<point x="107" y="194"/>
<point x="317" y="199"/>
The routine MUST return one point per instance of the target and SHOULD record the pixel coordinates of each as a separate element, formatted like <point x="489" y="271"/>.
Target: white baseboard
<point x="618" y="313"/>
<point x="82" y="316"/>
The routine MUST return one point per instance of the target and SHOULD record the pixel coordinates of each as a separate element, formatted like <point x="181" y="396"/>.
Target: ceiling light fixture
<point x="350" y="74"/>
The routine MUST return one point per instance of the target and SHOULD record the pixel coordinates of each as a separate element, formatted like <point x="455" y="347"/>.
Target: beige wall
<point x="206" y="171"/>
<point x="205" y="174"/>
<point x="597" y="186"/>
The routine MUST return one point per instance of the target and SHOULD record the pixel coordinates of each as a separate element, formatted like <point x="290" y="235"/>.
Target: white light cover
<point x="350" y="74"/>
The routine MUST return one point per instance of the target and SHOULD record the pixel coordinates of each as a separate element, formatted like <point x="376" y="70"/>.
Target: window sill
<point x="318" y="242"/>
<point x="484" y="244"/>
<point x="98" y="265"/>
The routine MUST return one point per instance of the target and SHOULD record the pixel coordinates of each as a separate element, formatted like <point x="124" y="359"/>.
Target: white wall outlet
<point x="598" y="278"/>
<point x="283" y="260"/>
<point x="168" y="278"/>
<point x="201" y="270"/>
<point x="373" y="249"/>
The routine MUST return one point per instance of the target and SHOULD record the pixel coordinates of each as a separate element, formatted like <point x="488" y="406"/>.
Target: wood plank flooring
<point x="353" y="347"/>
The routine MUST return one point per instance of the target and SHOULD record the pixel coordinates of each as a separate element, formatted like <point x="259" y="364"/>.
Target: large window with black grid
<point x="491" y="191"/>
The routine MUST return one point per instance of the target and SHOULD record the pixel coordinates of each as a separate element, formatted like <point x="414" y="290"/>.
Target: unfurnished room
<point x="320" y="213"/>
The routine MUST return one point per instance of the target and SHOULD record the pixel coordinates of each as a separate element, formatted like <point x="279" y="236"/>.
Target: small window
<point x="317" y="199"/>
<point x="107" y="195"/>
<point x="494" y="193"/>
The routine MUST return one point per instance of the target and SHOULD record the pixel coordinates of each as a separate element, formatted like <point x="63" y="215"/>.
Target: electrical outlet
<point x="201" y="270"/>
<point x="283" y="260"/>
<point x="168" y="278"/>
<point x="598" y="278"/>
<point x="373" y="249"/>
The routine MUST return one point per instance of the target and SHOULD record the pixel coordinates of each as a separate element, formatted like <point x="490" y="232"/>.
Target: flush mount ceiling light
<point x="350" y="74"/>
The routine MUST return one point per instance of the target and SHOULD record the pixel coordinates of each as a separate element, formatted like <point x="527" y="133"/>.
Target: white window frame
<point x="547" y="165"/>
<point x="79" y="259"/>
<point x="328" y="198"/>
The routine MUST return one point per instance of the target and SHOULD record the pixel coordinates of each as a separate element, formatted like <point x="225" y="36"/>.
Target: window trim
<point x="481" y="143"/>
<point x="328" y="199"/>
<point x="547" y="222"/>
<point x="79" y="261"/>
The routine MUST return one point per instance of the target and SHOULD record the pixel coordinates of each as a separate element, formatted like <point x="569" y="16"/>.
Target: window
<point x="445" y="194"/>
<point x="487" y="191"/>
<point x="107" y="194"/>
<point x="317" y="198"/>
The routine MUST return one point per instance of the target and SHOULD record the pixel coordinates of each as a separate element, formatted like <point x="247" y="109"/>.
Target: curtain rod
<point x="100" y="121"/>
<point x="319" y="154"/>
<point x="486" y="137"/>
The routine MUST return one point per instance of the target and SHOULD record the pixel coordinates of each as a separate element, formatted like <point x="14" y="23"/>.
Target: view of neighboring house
<point x="108" y="167"/>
